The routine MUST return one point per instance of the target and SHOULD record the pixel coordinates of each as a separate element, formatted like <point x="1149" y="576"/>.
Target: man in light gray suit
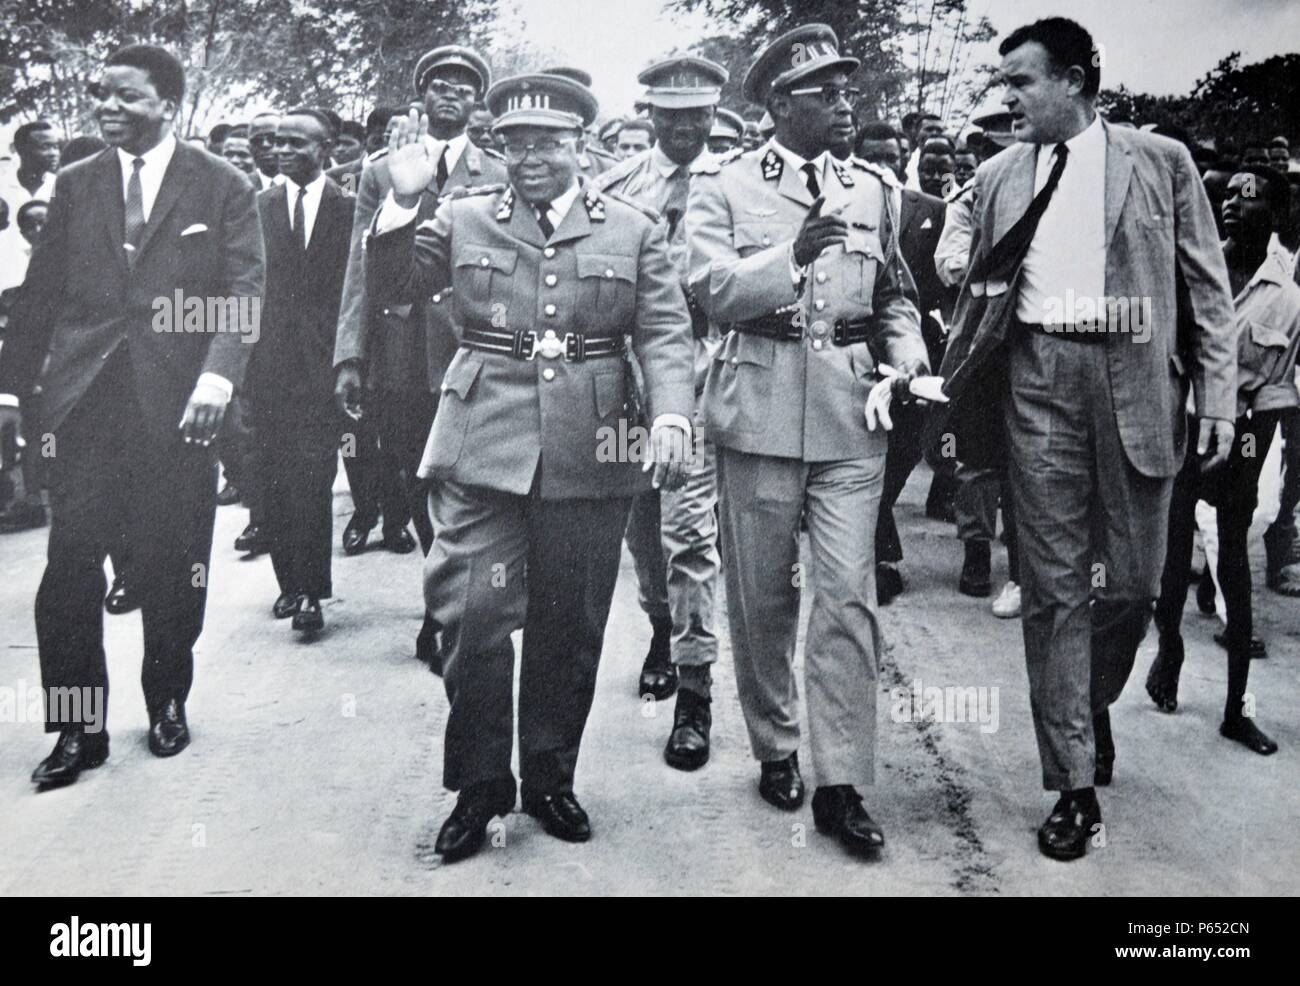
<point x="1096" y="295"/>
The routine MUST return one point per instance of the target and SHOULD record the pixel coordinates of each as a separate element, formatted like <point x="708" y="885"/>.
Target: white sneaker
<point x="1007" y="605"/>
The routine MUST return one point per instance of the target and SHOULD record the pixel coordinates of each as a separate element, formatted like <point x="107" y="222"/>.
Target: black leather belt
<point x="573" y="347"/>
<point x="1088" y="334"/>
<point x="781" y="325"/>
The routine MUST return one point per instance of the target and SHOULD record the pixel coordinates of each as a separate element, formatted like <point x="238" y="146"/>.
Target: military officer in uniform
<point x="728" y="131"/>
<point x="532" y="491"/>
<point x="392" y="344"/>
<point x="673" y="538"/>
<point x="797" y="253"/>
<point x="592" y="158"/>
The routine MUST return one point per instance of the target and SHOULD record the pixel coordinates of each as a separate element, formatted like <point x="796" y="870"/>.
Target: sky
<point x="1156" y="46"/>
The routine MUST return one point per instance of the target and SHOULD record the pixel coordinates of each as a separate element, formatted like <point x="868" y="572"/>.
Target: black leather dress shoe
<point x="1068" y="828"/>
<point x="74" y="752"/>
<point x="889" y="583"/>
<point x="1248" y="735"/>
<point x="688" y="743"/>
<point x="1258" y="649"/>
<point x="286" y="605"/>
<point x="253" y="541"/>
<point x="398" y="540"/>
<point x="658" y="673"/>
<point x="780" y="783"/>
<point x="309" y="617"/>
<point x="355" y="535"/>
<point x="560" y="814"/>
<point x="1162" y="679"/>
<point x="120" y="598"/>
<point x="168" y="731"/>
<point x="838" y="811"/>
<point x="975" y="570"/>
<point x="228" y="496"/>
<point x="463" y="832"/>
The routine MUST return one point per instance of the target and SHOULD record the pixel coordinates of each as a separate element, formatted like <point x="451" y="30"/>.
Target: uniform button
<point x="767" y="241"/>
<point x="821" y="277"/>
<point x="437" y="300"/>
<point x="548" y="374"/>
<point x="550" y="280"/>
<point x="483" y="261"/>
<point x="735" y="361"/>
<point x="817" y="344"/>
<point x="609" y="274"/>
<point x="548" y="334"/>
<point x="548" y="253"/>
<point x="819" y="304"/>
<point x="549" y="309"/>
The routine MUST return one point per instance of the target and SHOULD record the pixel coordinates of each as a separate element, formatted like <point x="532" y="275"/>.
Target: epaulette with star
<point x="773" y="165"/>
<point x="465" y="191"/>
<point x="884" y="174"/>
<point x="640" y="207"/>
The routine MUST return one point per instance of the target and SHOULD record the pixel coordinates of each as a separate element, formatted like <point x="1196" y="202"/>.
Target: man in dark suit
<point x="919" y="226"/>
<point x="403" y="351"/>
<point x="139" y="301"/>
<point x="1067" y="227"/>
<point x="307" y="227"/>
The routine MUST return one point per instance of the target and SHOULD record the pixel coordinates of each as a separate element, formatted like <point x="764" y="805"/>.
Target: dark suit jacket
<point x="82" y="301"/>
<point x="920" y="223"/>
<point x="390" y="342"/>
<point x="293" y="363"/>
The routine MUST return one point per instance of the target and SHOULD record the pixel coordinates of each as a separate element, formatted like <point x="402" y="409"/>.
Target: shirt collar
<point x="455" y="146"/>
<point x="662" y="163"/>
<point x="797" y="162"/>
<point x="1091" y="139"/>
<point x="313" y="188"/>
<point x="1274" y="269"/>
<point x="157" y="156"/>
<point x="561" y="204"/>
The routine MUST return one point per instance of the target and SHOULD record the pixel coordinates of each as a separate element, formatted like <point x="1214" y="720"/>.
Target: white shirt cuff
<point x="393" y="216"/>
<point x="8" y="400"/>
<point x="218" y="381"/>
<point x="797" y="273"/>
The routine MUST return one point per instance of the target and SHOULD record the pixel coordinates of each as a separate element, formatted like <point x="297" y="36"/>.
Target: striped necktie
<point x="134" y="225"/>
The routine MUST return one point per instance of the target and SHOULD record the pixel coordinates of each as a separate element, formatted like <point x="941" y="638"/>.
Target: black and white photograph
<point x="650" y="448"/>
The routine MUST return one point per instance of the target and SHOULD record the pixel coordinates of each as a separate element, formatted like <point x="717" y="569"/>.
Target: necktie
<point x="1006" y="255"/>
<point x="300" y="221"/>
<point x="134" y="210"/>
<point x="674" y="207"/>
<point x="441" y="177"/>
<point x="810" y="179"/>
<point x="544" y="219"/>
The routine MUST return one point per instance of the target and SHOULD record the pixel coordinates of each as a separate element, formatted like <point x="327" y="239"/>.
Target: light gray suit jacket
<point x="1161" y="245"/>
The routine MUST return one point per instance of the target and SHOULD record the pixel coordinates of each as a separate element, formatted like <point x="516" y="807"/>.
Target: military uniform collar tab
<point x="506" y="207"/>
<point x="773" y="164"/>
<point x="594" y="204"/>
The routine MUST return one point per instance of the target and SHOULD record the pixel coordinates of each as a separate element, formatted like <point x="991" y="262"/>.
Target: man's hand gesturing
<point x="410" y="166"/>
<point x="817" y="233"/>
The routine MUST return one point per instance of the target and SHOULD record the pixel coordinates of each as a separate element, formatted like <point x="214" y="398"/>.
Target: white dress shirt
<point x="14" y="250"/>
<point x="263" y="182"/>
<point x="156" y="160"/>
<point x="310" y="204"/>
<point x="1067" y="256"/>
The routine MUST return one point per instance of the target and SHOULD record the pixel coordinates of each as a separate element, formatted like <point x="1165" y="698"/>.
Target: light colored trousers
<point x="762" y="500"/>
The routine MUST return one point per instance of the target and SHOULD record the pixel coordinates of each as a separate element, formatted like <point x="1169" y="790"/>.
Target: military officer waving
<point x="548" y="275"/>
<point x="796" y="252"/>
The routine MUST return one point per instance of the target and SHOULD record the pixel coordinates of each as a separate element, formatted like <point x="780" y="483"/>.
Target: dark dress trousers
<point x="112" y="393"/>
<point x="291" y="379"/>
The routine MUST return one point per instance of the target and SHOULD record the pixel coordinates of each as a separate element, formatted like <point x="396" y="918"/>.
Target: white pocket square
<point x="196" y="228"/>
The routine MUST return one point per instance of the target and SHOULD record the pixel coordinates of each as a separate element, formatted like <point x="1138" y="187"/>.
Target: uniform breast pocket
<point x="857" y="270"/>
<point x="482" y="274"/>
<point x="750" y="238"/>
<point x="1267" y="346"/>
<point x="607" y="289"/>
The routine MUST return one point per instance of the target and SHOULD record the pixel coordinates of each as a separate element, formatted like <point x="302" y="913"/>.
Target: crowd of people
<point x="468" y="295"/>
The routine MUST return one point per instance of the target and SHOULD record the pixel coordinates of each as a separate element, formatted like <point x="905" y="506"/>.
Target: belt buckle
<point x="550" y="346"/>
<point x="820" y="333"/>
<point x="531" y="338"/>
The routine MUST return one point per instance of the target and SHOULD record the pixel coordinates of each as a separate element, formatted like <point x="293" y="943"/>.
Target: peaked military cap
<point x="541" y="100"/>
<point x="793" y="56"/>
<point x="458" y="55"/>
<point x="683" y="81"/>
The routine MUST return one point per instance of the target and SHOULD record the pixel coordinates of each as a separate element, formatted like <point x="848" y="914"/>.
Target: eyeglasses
<point x="546" y="147"/>
<point x="445" y="89"/>
<point x="830" y="93"/>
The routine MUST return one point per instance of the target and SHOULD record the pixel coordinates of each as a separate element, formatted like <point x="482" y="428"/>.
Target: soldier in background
<point x="673" y="537"/>
<point x="727" y="133"/>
